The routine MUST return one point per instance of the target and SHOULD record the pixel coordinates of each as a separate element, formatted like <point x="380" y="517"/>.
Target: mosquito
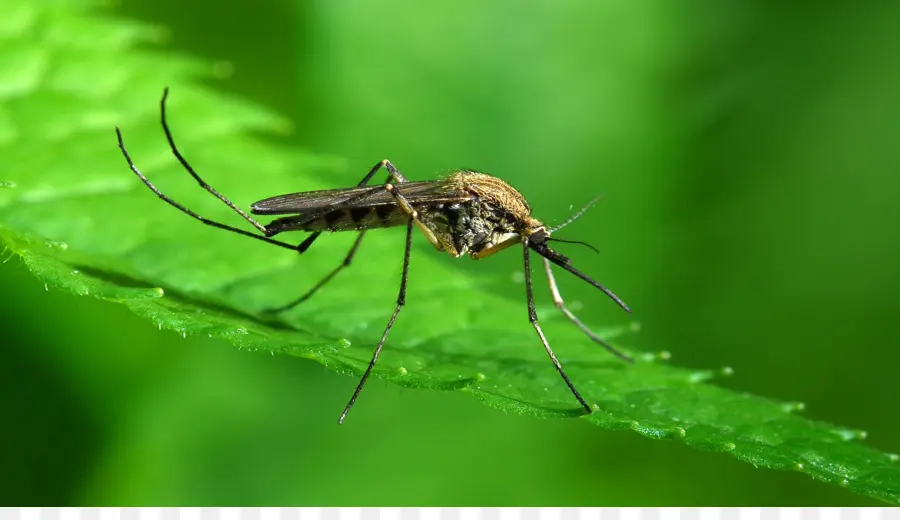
<point x="466" y="213"/>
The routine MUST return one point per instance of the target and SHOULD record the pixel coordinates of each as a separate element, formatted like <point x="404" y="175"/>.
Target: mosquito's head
<point x="538" y="241"/>
<point x="538" y="234"/>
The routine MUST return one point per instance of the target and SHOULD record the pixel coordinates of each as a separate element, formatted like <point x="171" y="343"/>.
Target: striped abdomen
<point x="342" y="219"/>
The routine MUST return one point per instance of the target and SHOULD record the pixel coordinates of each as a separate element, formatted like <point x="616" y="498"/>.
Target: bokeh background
<point x="750" y="157"/>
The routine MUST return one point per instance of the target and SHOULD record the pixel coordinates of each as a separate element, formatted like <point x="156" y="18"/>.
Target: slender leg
<point x="300" y="248"/>
<point x="312" y="238"/>
<point x="394" y="174"/>
<point x="561" y="305"/>
<point x="187" y="166"/>
<point x="401" y="301"/>
<point x="532" y="316"/>
<point x="346" y="263"/>
<point x="206" y="221"/>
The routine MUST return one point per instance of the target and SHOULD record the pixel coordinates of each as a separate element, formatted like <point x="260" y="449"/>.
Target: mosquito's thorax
<point x="496" y="217"/>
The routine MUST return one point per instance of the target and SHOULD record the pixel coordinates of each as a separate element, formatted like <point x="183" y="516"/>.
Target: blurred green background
<point x="749" y="156"/>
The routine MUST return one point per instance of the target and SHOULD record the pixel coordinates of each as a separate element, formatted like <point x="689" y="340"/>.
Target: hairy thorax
<point x="494" y="216"/>
<point x="470" y="228"/>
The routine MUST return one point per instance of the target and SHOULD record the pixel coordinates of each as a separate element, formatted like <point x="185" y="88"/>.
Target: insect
<point x="466" y="213"/>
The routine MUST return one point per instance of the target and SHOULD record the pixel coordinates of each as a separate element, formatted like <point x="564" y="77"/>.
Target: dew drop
<point x="849" y="435"/>
<point x="727" y="371"/>
<point x="700" y="376"/>
<point x="893" y="457"/>
<point x="647" y="431"/>
<point x="159" y="292"/>
<point x="799" y="466"/>
<point x="845" y="483"/>
<point x="793" y="407"/>
<point x="680" y="432"/>
<point x="62" y="246"/>
<point x="664" y="355"/>
<point x="480" y="377"/>
<point x="402" y="371"/>
<point x="729" y="446"/>
<point x="595" y="407"/>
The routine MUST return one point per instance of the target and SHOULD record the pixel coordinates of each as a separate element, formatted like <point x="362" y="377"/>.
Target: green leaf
<point x="83" y="223"/>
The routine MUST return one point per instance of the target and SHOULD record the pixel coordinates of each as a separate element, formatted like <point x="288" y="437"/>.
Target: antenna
<point x="577" y="215"/>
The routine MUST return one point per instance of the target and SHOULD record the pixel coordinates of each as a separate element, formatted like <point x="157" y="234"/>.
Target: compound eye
<point x="538" y="237"/>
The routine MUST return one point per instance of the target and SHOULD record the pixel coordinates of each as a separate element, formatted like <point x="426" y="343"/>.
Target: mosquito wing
<point x="313" y="202"/>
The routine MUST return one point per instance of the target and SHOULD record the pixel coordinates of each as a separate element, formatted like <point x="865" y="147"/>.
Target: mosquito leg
<point x="561" y="305"/>
<point x="346" y="263"/>
<point x="312" y="238"/>
<point x="349" y="258"/>
<point x="187" y="166"/>
<point x="389" y="166"/>
<point x="193" y="214"/>
<point x="401" y="301"/>
<point x="405" y="205"/>
<point x="532" y="316"/>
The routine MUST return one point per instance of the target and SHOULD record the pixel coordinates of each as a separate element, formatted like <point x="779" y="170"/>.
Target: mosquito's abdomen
<point x="342" y="219"/>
